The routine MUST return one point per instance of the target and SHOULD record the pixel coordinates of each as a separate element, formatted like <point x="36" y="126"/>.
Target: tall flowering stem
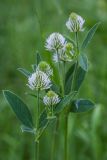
<point x="76" y="64"/>
<point x="67" y="115"/>
<point x="77" y="43"/>
<point x="76" y="29"/>
<point x="55" y="134"/>
<point x="60" y="76"/>
<point x="50" y="100"/>
<point x="38" y="108"/>
<point x="39" y="81"/>
<point x="66" y="137"/>
<point x="37" y="124"/>
<point x="54" y="140"/>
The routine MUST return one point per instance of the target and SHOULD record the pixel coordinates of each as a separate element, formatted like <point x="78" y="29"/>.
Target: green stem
<point x="52" y="110"/>
<point x="37" y="150"/>
<point x="37" y="124"/>
<point x="64" y="72"/>
<point x="77" y="43"/>
<point x="60" y="75"/>
<point x="38" y="108"/>
<point x="66" y="138"/>
<point x="54" y="142"/>
<point x="76" y="65"/>
<point x="67" y="113"/>
<point x="62" y="82"/>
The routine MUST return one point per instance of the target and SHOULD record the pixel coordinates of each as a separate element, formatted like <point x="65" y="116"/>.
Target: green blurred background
<point x="24" y="25"/>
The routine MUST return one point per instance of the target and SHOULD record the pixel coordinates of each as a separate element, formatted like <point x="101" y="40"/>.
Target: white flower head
<point x="45" y="67"/>
<point x="75" y="23"/>
<point x="65" y="54"/>
<point x="51" y="99"/>
<point x="39" y="80"/>
<point x="54" y="42"/>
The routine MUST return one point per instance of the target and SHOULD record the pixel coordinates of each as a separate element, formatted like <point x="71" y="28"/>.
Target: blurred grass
<point x="24" y="25"/>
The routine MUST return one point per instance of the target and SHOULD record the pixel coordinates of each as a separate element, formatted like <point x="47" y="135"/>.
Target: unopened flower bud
<point x="66" y="53"/>
<point x="45" y="67"/>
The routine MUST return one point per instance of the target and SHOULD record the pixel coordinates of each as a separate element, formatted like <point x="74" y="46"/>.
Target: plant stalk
<point x="54" y="142"/>
<point x="37" y="124"/>
<point x="76" y="65"/>
<point x="66" y="138"/>
<point x="77" y="42"/>
<point x="67" y="113"/>
<point x="57" y="122"/>
<point x="60" y="76"/>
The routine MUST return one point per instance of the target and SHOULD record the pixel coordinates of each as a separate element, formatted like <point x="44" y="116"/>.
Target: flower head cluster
<point x="51" y="99"/>
<point x="45" y="67"/>
<point x="75" y="23"/>
<point x="54" y="42"/>
<point x="39" y="81"/>
<point x="65" y="54"/>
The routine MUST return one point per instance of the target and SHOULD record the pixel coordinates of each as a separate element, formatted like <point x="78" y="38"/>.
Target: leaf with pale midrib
<point x="82" y="105"/>
<point x="68" y="79"/>
<point x="64" y="102"/>
<point x="89" y="36"/>
<point x="24" y="72"/>
<point x="19" y="107"/>
<point x="80" y="75"/>
<point x="83" y="62"/>
<point x="43" y="121"/>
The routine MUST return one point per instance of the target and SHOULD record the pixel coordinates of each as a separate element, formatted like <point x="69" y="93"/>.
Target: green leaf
<point x="79" y="78"/>
<point x="34" y="66"/>
<point x="68" y="79"/>
<point x="70" y="40"/>
<point x="24" y="72"/>
<point x="82" y="105"/>
<point x="27" y="129"/>
<point x="64" y="102"/>
<point x="43" y="121"/>
<point x="89" y="36"/>
<point x="83" y="62"/>
<point x="55" y="88"/>
<point x="19" y="107"/>
<point x="38" y="58"/>
<point x="33" y="95"/>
